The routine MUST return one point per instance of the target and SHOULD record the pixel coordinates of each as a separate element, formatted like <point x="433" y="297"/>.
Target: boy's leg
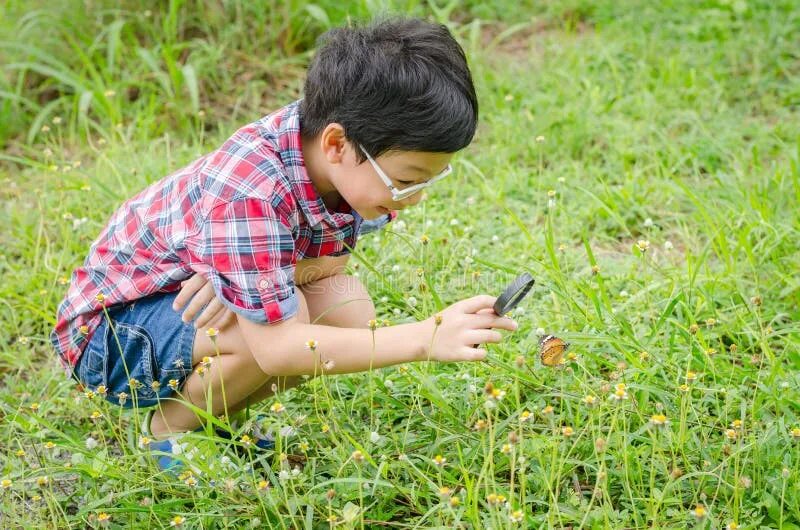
<point x="241" y="377"/>
<point x="338" y="300"/>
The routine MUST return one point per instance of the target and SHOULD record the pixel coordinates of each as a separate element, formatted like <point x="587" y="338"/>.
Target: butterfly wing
<point x="551" y="350"/>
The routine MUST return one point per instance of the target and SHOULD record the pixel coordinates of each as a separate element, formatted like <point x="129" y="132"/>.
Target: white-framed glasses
<point x="405" y="193"/>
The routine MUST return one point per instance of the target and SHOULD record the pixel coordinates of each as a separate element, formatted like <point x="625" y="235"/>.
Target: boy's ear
<point x="333" y="142"/>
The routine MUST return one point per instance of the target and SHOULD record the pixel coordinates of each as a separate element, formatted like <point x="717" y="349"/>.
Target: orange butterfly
<point x="552" y="349"/>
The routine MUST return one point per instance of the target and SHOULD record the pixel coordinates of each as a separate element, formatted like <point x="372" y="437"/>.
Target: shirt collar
<point x="291" y="153"/>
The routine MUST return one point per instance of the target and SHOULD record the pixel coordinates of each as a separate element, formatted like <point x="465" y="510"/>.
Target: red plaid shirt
<point x="241" y="216"/>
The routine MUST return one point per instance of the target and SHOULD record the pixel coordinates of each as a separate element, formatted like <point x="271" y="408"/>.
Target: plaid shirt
<point x="241" y="216"/>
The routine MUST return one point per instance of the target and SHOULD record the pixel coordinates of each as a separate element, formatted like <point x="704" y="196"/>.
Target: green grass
<point x="673" y="122"/>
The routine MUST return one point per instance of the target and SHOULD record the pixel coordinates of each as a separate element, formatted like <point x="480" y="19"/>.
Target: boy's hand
<point x="464" y="325"/>
<point x="201" y="293"/>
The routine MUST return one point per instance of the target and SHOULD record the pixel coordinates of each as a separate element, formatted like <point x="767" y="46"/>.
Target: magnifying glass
<point x="513" y="295"/>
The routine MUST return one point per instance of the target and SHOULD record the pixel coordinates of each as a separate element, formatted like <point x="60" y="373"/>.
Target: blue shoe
<point x="164" y="451"/>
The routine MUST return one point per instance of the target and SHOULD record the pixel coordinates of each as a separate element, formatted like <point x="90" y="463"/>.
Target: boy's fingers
<point x="209" y="313"/>
<point x="203" y="296"/>
<point x="474" y="354"/>
<point x="494" y="321"/>
<point x="482" y="336"/>
<point x="476" y="303"/>
<point x="188" y="288"/>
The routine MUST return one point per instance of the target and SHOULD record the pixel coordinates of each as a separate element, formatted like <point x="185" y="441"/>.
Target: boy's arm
<point x="282" y="349"/>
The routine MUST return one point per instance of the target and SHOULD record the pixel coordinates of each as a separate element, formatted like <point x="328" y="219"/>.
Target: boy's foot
<point x="167" y="448"/>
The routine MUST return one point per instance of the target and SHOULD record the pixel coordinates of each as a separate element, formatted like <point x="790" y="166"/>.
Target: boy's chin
<point x="373" y="213"/>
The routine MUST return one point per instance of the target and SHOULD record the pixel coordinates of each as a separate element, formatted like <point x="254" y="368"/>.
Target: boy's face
<point x="362" y="187"/>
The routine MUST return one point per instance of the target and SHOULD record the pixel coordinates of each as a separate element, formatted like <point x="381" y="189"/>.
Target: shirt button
<point x="264" y="284"/>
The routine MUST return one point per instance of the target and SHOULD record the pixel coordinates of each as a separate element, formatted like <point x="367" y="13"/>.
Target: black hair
<point x="395" y="84"/>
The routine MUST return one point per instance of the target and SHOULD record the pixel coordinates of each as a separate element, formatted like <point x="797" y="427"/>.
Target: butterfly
<point x="552" y="349"/>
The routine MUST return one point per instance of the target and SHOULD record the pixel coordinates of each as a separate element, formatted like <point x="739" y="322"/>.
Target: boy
<point x="261" y="229"/>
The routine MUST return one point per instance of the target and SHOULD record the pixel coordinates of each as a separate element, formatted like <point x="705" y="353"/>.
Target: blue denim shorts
<point x="151" y="347"/>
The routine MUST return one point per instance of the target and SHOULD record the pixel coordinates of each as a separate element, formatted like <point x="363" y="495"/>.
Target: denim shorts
<point x="152" y="347"/>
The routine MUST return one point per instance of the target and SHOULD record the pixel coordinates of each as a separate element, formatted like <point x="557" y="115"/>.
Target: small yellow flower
<point x="177" y="521"/>
<point x="619" y="394"/>
<point x="42" y="481"/>
<point x="658" y="420"/>
<point x="684" y="387"/>
<point x="539" y="139"/>
<point x="644" y="356"/>
<point x="49" y="445"/>
<point x="263" y="485"/>
<point x="551" y="193"/>
<point x="454" y="501"/>
<point x="372" y="324"/>
<point x="567" y="431"/>
<point x="5" y="483"/>
<point x="311" y="344"/>
<point x="481" y="425"/>
<point x="731" y="434"/>
<point x="589" y="400"/>
<point x="525" y="416"/>
<point x="212" y="332"/>
<point x="711" y="322"/>
<point x="506" y="449"/>
<point x="173" y="384"/>
<point x="246" y="441"/>
<point x="100" y="297"/>
<point x="332" y="519"/>
<point x="155" y="385"/>
<point x="643" y="245"/>
<point x="277" y="407"/>
<point x="736" y="424"/>
<point x="45" y="128"/>
<point x="20" y="452"/>
<point x="34" y="406"/>
<point x="96" y="415"/>
<point x="84" y="330"/>
<point x="144" y="442"/>
<point x="190" y="481"/>
<point x="495" y="499"/>
<point x="691" y="376"/>
<point x="444" y="492"/>
<point x="89" y="395"/>
<point x="516" y="516"/>
<point x="497" y="394"/>
<point x="795" y="432"/>
<point x="357" y="455"/>
<point x="547" y="410"/>
<point x="206" y="361"/>
<point x="325" y="428"/>
<point x="103" y="518"/>
<point x="424" y="239"/>
<point x="732" y="526"/>
<point x="202" y="369"/>
<point x="699" y="511"/>
<point x="595" y="269"/>
<point x="439" y="460"/>
<point x="437" y="319"/>
<point x="303" y="446"/>
<point x="101" y="390"/>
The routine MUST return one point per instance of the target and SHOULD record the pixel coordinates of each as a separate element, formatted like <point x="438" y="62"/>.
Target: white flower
<point x="540" y="331"/>
<point x="396" y="311"/>
<point x="495" y="238"/>
<point x="395" y="268"/>
<point x="454" y="222"/>
<point x="374" y="437"/>
<point x="295" y="471"/>
<point x="648" y="222"/>
<point x="470" y="200"/>
<point x="287" y="431"/>
<point x="178" y="449"/>
<point x="91" y="443"/>
<point x="412" y="302"/>
<point x="384" y="299"/>
<point x="429" y="222"/>
<point x="668" y="245"/>
<point x="284" y="475"/>
<point x="389" y="383"/>
<point x="78" y="222"/>
<point x="623" y="294"/>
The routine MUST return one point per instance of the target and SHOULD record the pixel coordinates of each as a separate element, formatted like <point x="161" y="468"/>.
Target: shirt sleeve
<point x="246" y="250"/>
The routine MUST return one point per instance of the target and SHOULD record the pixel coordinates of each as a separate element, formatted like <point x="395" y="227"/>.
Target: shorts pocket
<point x="134" y="366"/>
<point x="92" y="367"/>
